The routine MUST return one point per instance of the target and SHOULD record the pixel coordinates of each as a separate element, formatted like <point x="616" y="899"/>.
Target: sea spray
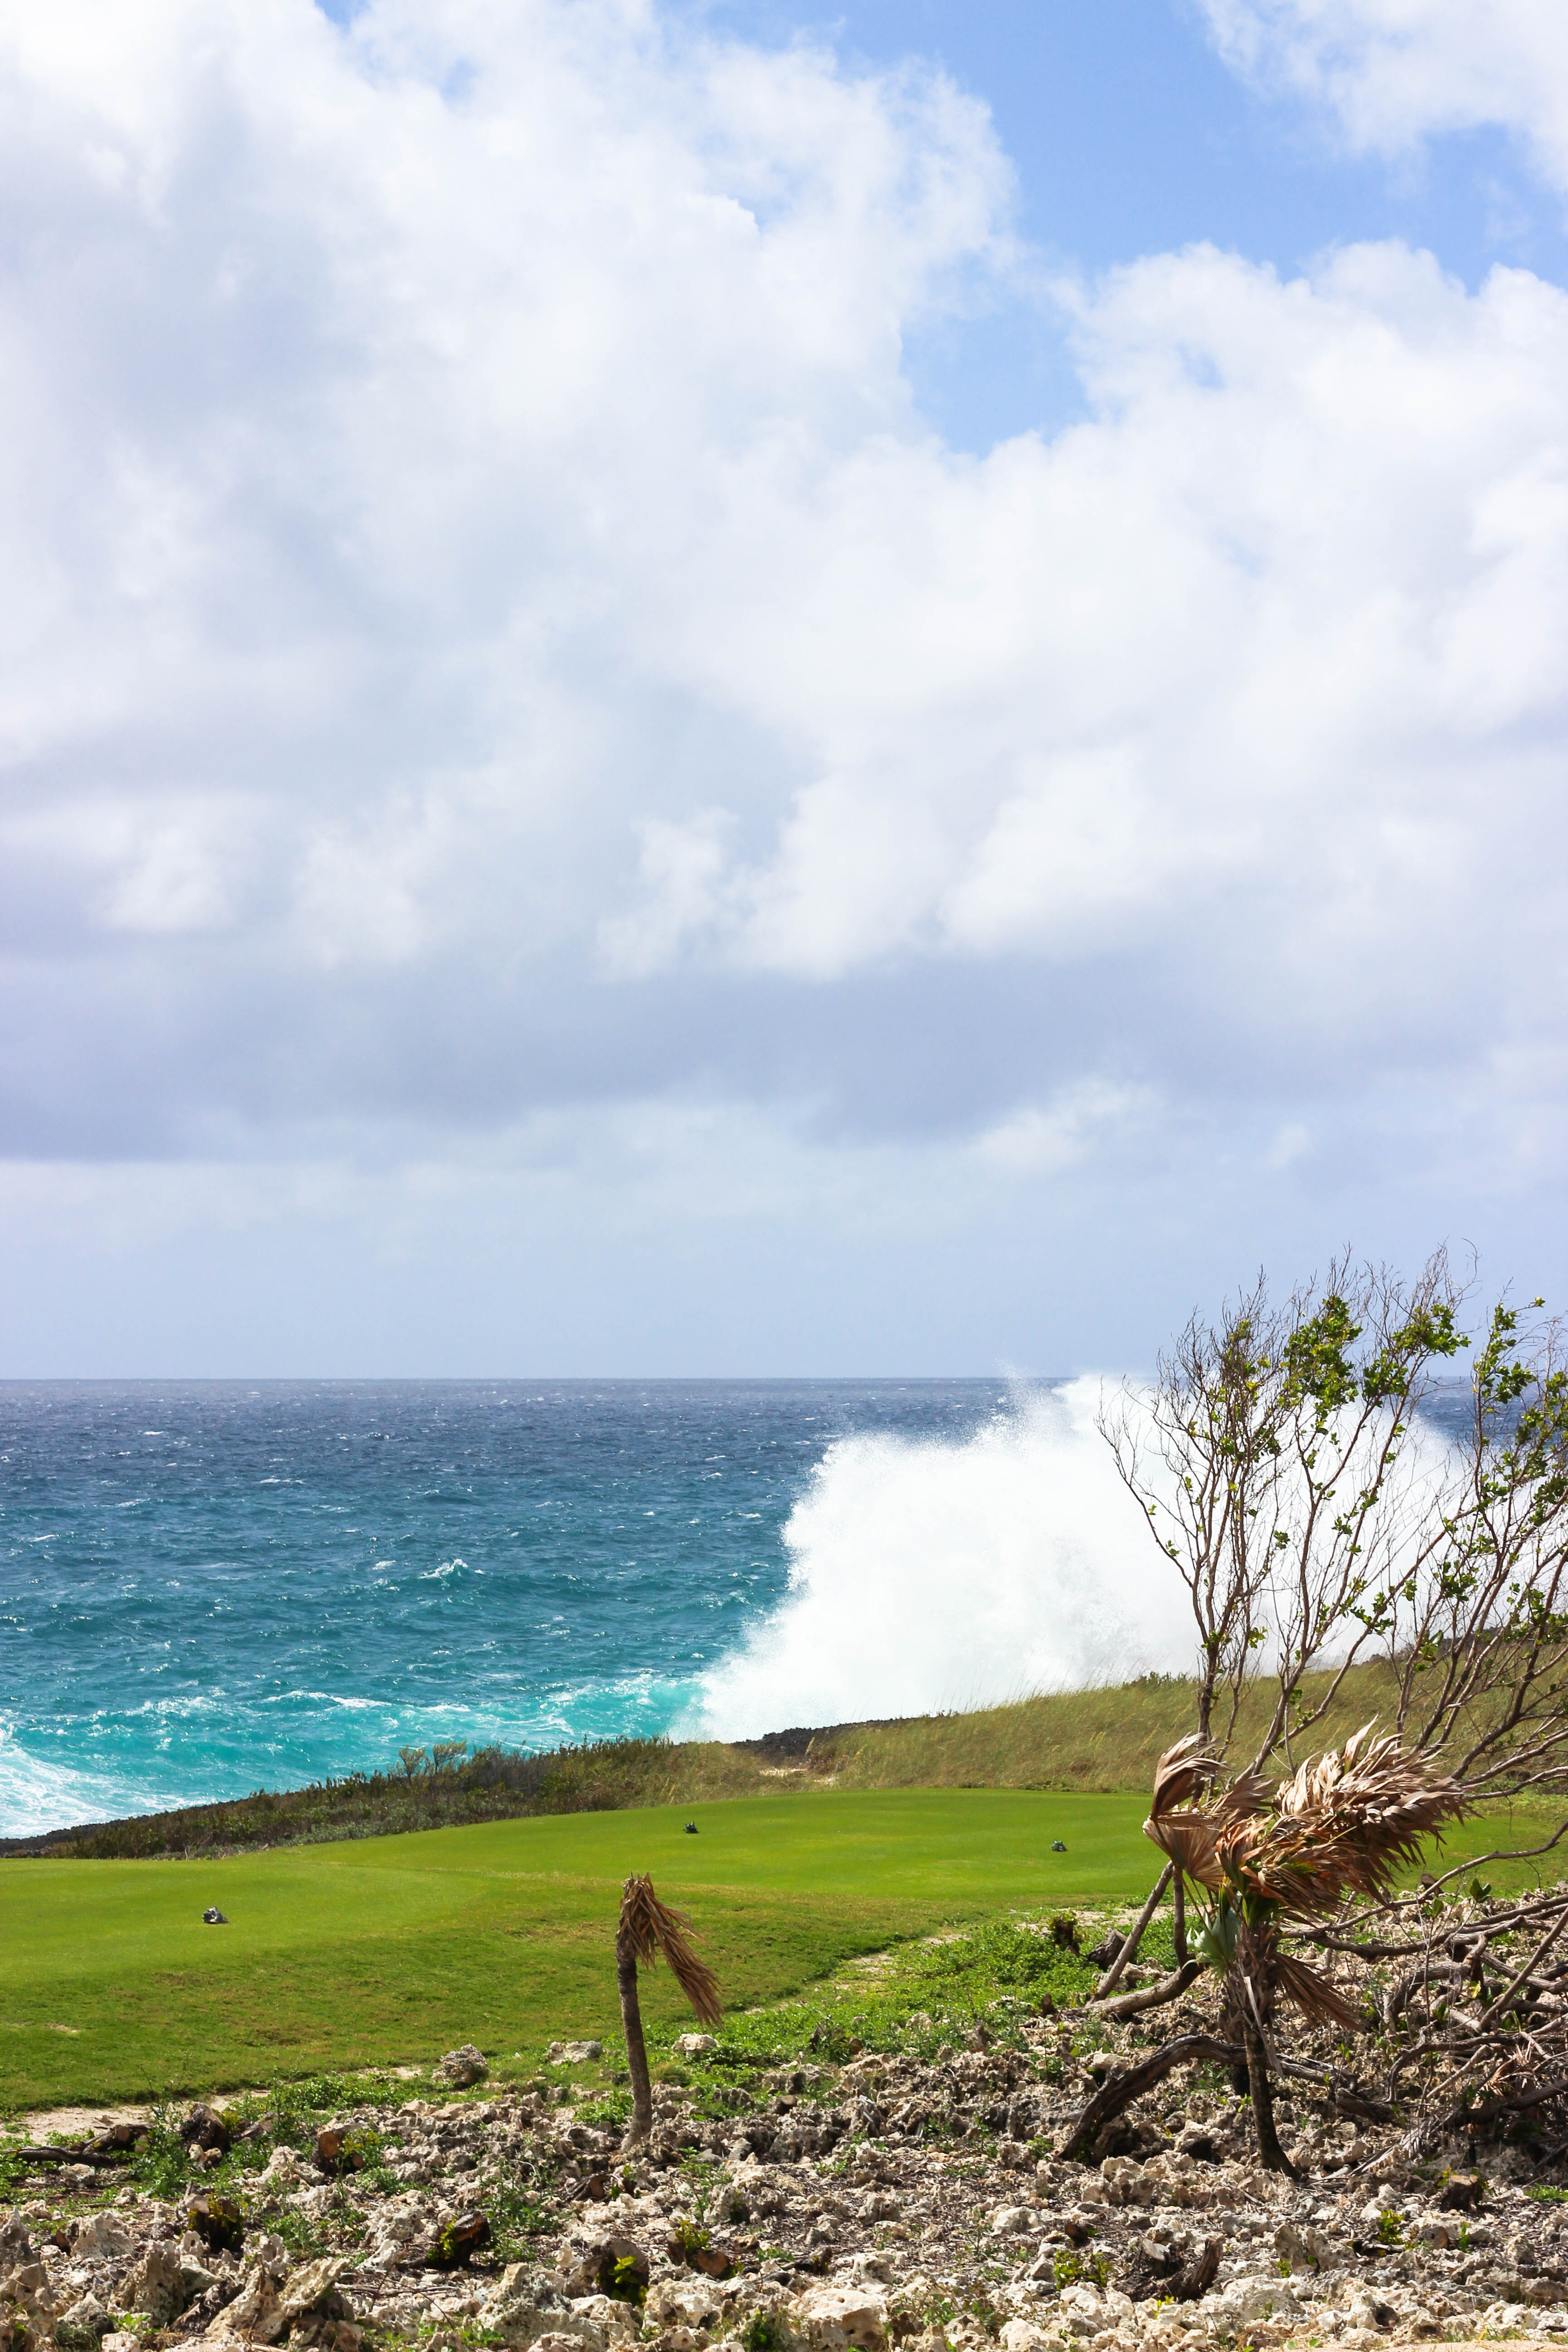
<point x="936" y="1574"/>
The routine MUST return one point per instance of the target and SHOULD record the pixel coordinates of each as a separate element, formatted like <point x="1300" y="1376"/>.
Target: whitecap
<point x="928" y="1575"/>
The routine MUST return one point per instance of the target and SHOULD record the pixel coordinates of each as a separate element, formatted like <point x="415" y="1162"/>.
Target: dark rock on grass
<point x="1462" y="2193"/>
<point x="713" y="2262"/>
<point x="616" y="2266"/>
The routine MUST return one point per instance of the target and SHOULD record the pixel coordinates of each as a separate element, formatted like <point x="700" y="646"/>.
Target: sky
<point x="716" y="689"/>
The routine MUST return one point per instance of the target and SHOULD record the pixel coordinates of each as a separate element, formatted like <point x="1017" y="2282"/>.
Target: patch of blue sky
<point x="1129" y="137"/>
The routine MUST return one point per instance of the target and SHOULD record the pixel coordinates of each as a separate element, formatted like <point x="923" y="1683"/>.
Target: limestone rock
<point x="1253" y="2299"/>
<point x="462" y="2067"/>
<point x="256" y="2315"/>
<point x="694" y="2045"/>
<point x="686" y="2302"/>
<point x="157" y="2284"/>
<point x="103" y="2237"/>
<point x="828" y="2317"/>
<point x="26" y="2289"/>
<point x="86" y="2316"/>
<point x="15" y="2246"/>
<point x="315" y="2288"/>
<point x="574" y="2053"/>
<point x="522" y="2310"/>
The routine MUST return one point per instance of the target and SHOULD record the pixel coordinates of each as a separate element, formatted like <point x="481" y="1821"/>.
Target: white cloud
<point x="1079" y="1125"/>
<point x="493" y="636"/>
<point x="1395" y="72"/>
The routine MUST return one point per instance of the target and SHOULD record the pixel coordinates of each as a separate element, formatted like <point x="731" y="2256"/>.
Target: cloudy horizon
<point x="663" y="716"/>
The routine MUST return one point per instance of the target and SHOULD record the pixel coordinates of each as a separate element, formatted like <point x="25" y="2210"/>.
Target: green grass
<point x="386" y="1951"/>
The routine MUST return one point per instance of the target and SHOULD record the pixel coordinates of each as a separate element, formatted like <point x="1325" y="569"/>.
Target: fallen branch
<point x="1131" y="2004"/>
<point x="1464" y="2118"/>
<point x="1119" y="2091"/>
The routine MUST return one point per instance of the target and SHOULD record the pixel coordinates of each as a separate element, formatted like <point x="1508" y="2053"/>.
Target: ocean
<point x="207" y="1588"/>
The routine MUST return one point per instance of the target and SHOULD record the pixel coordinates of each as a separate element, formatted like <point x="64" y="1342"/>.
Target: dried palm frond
<point x="1190" y="1841"/>
<point x="1247" y="1795"/>
<point x="1342" y="1825"/>
<point x="1182" y="1771"/>
<point x="649" y="1928"/>
<point x="1346" y="1822"/>
<point x="1320" y="2002"/>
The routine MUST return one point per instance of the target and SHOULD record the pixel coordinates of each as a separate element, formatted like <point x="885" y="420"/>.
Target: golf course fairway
<point x="388" y="1950"/>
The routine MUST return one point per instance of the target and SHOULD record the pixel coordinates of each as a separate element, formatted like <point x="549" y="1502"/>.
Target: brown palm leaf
<point x="1182" y="1771"/>
<point x="1341" y="1826"/>
<point x="650" y="1928"/>
<point x="1189" y="1840"/>
<point x="1247" y="1795"/>
<point x="1320" y="2002"/>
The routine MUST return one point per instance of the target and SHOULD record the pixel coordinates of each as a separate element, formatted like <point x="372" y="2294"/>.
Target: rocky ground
<point x="894" y="2199"/>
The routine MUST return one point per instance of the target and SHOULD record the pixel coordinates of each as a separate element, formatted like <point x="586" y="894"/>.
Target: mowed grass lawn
<point x="387" y="1950"/>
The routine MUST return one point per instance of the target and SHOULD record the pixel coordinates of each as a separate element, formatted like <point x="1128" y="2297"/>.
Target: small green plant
<point x="1544" y="2194"/>
<point x="763" y="2332"/>
<point x="1389" y="2228"/>
<point x="610" y="2112"/>
<point x="520" y="2210"/>
<point x="162" y="2164"/>
<point x="1074" y="2269"/>
<point x="692" y="2237"/>
<point x="626" y="2284"/>
<point x="702" y="2174"/>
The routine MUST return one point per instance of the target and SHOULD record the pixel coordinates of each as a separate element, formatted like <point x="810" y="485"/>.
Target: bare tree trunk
<point x="1112" y="1977"/>
<point x="641" y="2124"/>
<point x="1179" y="1923"/>
<point x="1271" y="2155"/>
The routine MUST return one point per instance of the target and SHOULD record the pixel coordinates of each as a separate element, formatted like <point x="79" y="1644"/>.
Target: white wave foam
<point x="930" y="1575"/>
<point x="36" y="1793"/>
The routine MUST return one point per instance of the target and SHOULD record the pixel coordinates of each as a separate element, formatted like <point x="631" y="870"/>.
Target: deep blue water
<point x="207" y="1588"/>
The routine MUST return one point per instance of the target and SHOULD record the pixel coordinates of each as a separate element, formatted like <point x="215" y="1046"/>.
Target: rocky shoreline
<point x="893" y="2200"/>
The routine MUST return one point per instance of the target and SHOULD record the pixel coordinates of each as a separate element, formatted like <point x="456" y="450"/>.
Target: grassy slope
<point x="1102" y="1740"/>
<point x="391" y="1949"/>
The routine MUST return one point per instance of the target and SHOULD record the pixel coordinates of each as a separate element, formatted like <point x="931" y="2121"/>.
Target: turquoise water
<point x="207" y="1588"/>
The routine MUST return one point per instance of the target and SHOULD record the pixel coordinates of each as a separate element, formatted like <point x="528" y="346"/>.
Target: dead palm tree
<point x="647" y="1928"/>
<point x="1341" y="1827"/>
